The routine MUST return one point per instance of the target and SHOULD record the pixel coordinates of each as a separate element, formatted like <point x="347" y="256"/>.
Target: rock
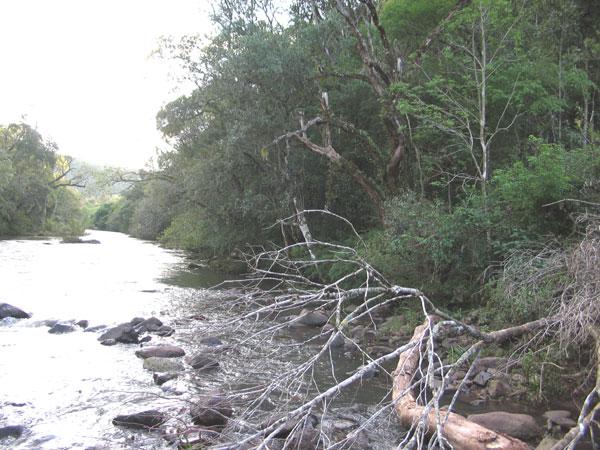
<point x="124" y="333"/>
<point x="200" y="361"/>
<point x="145" y="339"/>
<point x="7" y="310"/>
<point x="547" y="443"/>
<point x="499" y="388"/>
<point x="62" y="328"/>
<point x="109" y="342"/>
<point x="311" y="422"/>
<point x="136" y="321"/>
<point x="164" y="331"/>
<point x="482" y="378"/>
<point x="213" y="411"/>
<point x="155" y="364"/>
<point x="144" y="420"/>
<point x="557" y="414"/>
<point x="338" y="342"/>
<point x="14" y="431"/>
<point x="82" y="324"/>
<point x="312" y="318"/>
<point x="562" y="423"/>
<point x="521" y="426"/>
<point x="211" y="341"/>
<point x="162" y="378"/>
<point x="490" y="362"/>
<point x="95" y="328"/>
<point x="160" y="351"/>
<point x="151" y="324"/>
<point x="50" y="322"/>
<point x="343" y="424"/>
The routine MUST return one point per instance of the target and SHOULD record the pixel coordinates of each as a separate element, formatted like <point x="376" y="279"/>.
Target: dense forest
<point x="451" y="134"/>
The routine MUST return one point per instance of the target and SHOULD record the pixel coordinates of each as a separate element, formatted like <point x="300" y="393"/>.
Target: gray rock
<point x="7" y="310"/>
<point x="338" y="342"/>
<point x="82" y="324"/>
<point x="95" y="328"/>
<point x="212" y="411"/>
<point x="155" y="364"/>
<point x="151" y="324"/>
<point x="312" y="318"/>
<point x="201" y="361"/>
<point x="160" y="351"/>
<point x="310" y="422"/>
<point x="211" y="341"/>
<point x="124" y="333"/>
<point x="62" y="328"/>
<point x="109" y="342"/>
<point x="162" y="378"/>
<point x="144" y="420"/>
<point x="164" y="331"/>
<point x="136" y="321"/>
<point x="557" y="414"/>
<point x="14" y="431"/>
<point x="521" y="426"/>
<point x="145" y="339"/>
<point x="482" y="378"/>
<point x="499" y="388"/>
<point x="489" y="362"/>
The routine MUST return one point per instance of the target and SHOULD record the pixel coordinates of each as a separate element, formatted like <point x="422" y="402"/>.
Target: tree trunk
<point x="460" y="432"/>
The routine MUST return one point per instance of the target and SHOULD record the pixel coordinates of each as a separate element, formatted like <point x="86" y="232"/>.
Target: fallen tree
<point x="287" y="408"/>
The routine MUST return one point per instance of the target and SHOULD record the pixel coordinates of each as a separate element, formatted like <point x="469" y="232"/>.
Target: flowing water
<point x="65" y="389"/>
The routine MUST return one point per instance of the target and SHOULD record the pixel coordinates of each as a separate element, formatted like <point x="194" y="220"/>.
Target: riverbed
<point x="66" y="389"/>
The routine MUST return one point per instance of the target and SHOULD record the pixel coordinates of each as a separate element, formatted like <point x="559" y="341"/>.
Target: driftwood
<point x="458" y="431"/>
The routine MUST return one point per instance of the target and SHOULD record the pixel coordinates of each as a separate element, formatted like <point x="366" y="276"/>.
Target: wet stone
<point x="13" y="431"/>
<point x="62" y="328"/>
<point x="7" y="310"/>
<point x="144" y="420"/>
<point x="160" y="351"/>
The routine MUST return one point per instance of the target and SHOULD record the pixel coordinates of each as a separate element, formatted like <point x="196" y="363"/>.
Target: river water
<point x="65" y="389"/>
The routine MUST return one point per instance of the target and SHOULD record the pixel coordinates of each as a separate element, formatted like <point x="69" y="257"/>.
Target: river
<point x="65" y="389"/>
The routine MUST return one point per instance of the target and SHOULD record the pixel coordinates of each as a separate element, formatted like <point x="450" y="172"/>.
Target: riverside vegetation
<point x="458" y="137"/>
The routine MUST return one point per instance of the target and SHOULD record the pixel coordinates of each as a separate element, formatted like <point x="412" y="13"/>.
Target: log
<point x="458" y="431"/>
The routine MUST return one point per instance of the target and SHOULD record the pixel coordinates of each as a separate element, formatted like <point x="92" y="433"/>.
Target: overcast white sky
<point x="80" y="71"/>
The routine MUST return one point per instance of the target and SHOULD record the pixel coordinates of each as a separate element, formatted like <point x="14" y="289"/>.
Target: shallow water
<point x="65" y="389"/>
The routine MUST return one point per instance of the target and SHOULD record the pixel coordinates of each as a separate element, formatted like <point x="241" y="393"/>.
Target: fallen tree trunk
<point x="457" y="430"/>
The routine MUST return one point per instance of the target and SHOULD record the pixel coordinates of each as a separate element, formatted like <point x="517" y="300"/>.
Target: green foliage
<point x="410" y="21"/>
<point x="35" y="196"/>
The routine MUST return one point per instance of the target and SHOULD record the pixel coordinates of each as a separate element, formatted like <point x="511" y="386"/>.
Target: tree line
<point x="450" y="133"/>
<point x="37" y="188"/>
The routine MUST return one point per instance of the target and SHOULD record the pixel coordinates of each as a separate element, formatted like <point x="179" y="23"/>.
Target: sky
<point x="81" y="72"/>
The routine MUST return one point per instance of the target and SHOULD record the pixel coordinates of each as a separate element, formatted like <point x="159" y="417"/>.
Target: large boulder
<point x="14" y="431"/>
<point x="521" y="426"/>
<point x="124" y="333"/>
<point x="144" y="420"/>
<point x="154" y="364"/>
<point x="7" y="310"/>
<point x="160" y="351"/>
<point x="213" y="411"/>
<point x="201" y="361"/>
<point x="62" y="328"/>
